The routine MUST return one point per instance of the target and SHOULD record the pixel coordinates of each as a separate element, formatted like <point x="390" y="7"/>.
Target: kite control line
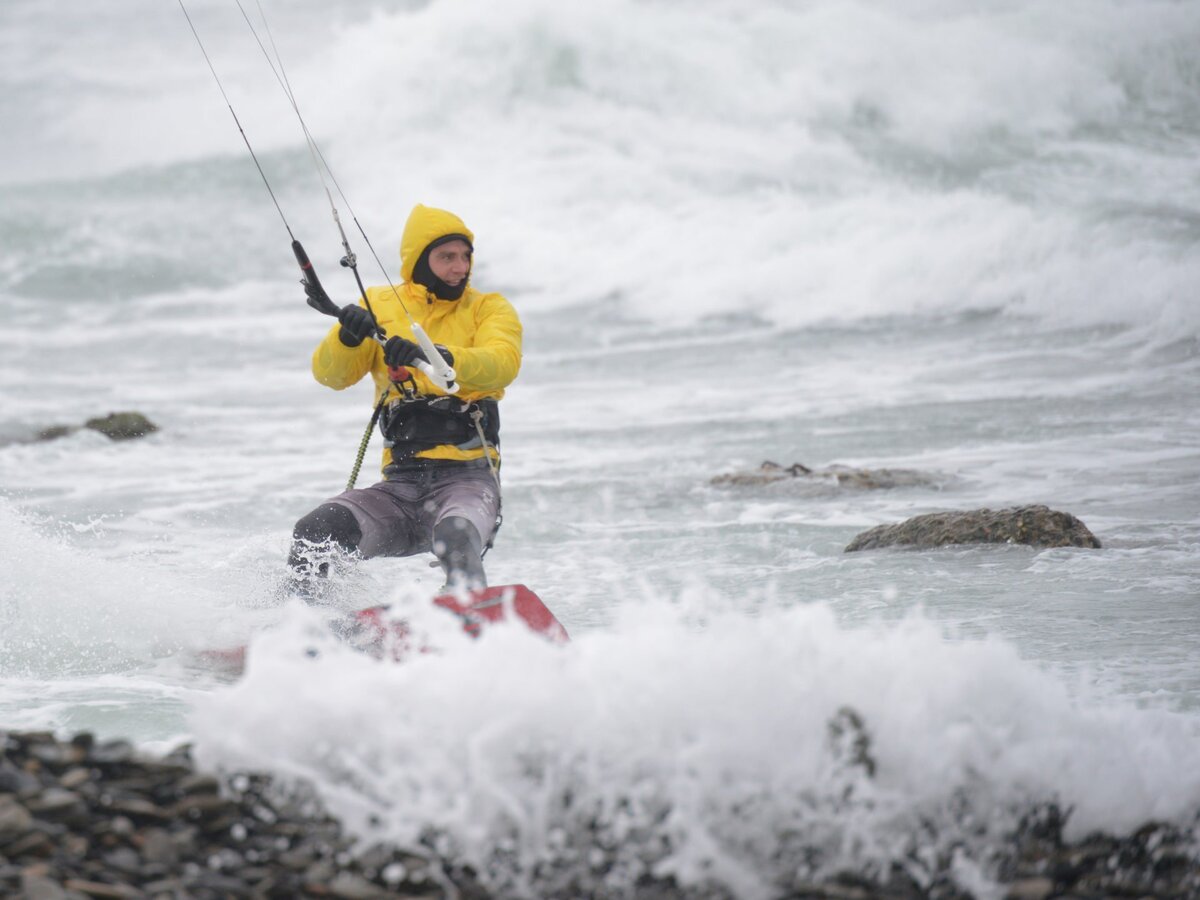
<point x="434" y="366"/>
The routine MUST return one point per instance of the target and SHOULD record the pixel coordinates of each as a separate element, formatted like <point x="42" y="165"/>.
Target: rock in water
<point x="54" y="432"/>
<point x="837" y="475"/>
<point x="1037" y="526"/>
<point x="118" y="426"/>
<point x="122" y="426"/>
<point x="764" y="474"/>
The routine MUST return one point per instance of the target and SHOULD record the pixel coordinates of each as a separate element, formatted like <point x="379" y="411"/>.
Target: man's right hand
<point x="357" y="324"/>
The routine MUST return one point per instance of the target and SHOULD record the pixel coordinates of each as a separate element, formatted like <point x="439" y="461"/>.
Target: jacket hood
<point x="424" y="226"/>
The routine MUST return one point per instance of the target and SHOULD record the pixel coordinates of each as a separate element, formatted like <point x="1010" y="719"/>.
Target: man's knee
<point x="329" y="522"/>
<point x="455" y="533"/>
<point x="328" y="526"/>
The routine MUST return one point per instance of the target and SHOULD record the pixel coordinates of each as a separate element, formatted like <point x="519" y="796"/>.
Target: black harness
<point x="410" y="427"/>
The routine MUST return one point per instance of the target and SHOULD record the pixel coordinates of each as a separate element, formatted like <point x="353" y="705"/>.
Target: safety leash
<point x="366" y="439"/>
<point x="494" y="468"/>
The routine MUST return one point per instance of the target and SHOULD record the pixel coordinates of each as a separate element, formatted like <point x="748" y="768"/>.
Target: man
<point x="441" y="487"/>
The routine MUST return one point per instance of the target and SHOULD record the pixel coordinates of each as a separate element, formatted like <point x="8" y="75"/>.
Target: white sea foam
<point x="706" y="731"/>
<point x="66" y="610"/>
<point x="830" y="161"/>
<point x="804" y="163"/>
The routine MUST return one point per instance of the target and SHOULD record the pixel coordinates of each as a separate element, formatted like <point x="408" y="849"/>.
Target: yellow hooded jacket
<point x="482" y="331"/>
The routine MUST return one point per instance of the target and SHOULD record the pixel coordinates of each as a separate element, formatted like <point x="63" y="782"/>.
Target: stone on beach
<point x="83" y="818"/>
<point x="247" y="836"/>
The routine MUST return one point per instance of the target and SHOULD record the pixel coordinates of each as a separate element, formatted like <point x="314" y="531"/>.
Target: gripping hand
<point x="400" y="351"/>
<point x="357" y="323"/>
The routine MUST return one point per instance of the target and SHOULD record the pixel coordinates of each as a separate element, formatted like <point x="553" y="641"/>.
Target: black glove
<point x="400" y="351"/>
<point x="357" y="323"/>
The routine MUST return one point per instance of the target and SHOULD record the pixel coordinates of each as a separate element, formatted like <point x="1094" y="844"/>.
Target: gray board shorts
<point x="397" y="516"/>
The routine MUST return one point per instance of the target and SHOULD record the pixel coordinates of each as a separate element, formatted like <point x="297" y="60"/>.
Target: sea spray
<point x="703" y="749"/>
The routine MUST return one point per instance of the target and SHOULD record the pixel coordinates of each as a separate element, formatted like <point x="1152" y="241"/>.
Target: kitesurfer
<point x="441" y="489"/>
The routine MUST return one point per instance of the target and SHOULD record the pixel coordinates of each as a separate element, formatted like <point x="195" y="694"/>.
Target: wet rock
<point x="54" y="432"/>
<point x="849" y="742"/>
<point x="199" y="784"/>
<point x="197" y="807"/>
<point x="75" y="778"/>
<point x="35" y="843"/>
<point x="299" y="858"/>
<point x="123" y="860"/>
<point x="121" y="826"/>
<point x="138" y="810"/>
<point x="834" y="891"/>
<point x="156" y="827"/>
<point x="836" y="476"/>
<point x="348" y="886"/>
<point x="1038" y="888"/>
<point x="103" y="890"/>
<point x="166" y="887"/>
<point x="122" y="426"/>
<point x="117" y="426"/>
<point x="57" y="756"/>
<point x="58" y="805"/>
<point x="110" y="753"/>
<point x="76" y="844"/>
<point x="16" y="781"/>
<point x="15" y="820"/>
<point x="1037" y="526"/>
<point x="39" y="887"/>
<point x="84" y="739"/>
<point x="157" y="847"/>
<point x="220" y="885"/>
<point x="252" y="838"/>
<point x="320" y="871"/>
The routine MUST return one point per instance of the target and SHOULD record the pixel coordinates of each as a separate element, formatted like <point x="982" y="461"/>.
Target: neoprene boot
<point x="459" y="548"/>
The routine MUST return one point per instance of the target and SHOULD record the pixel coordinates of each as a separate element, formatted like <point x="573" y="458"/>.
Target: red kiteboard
<point x="496" y="604"/>
<point x="373" y="632"/>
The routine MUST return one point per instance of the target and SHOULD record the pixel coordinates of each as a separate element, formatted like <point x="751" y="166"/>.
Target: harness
<point x="411" y="423"/>
<point x="410" y="427"/>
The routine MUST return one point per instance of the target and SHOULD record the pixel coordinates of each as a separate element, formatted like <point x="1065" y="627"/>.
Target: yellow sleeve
<point x="337" y="366"/>
<point x="494" y="360"/>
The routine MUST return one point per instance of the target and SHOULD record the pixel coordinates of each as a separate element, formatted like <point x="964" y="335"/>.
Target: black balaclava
<point x="422" y="274"/>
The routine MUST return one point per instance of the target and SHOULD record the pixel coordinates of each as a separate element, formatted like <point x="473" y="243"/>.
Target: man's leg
<point x="459" y="548"/>
<point x="462" y="506"/>
<point x="365" y="522"/>
<point x="328" y="529"/>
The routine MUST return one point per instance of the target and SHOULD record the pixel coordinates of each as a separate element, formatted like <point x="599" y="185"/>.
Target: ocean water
<point x="957" y="238"/>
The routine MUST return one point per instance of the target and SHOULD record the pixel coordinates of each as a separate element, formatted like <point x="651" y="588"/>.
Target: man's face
<point x="451" y="262"/>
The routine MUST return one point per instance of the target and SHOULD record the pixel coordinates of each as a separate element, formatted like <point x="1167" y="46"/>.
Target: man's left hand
<point x="400" y="351"/>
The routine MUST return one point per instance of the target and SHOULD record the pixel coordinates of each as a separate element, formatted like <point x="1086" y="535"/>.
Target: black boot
<point x="328" y="531"/>
<point x="459" y="548"/>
